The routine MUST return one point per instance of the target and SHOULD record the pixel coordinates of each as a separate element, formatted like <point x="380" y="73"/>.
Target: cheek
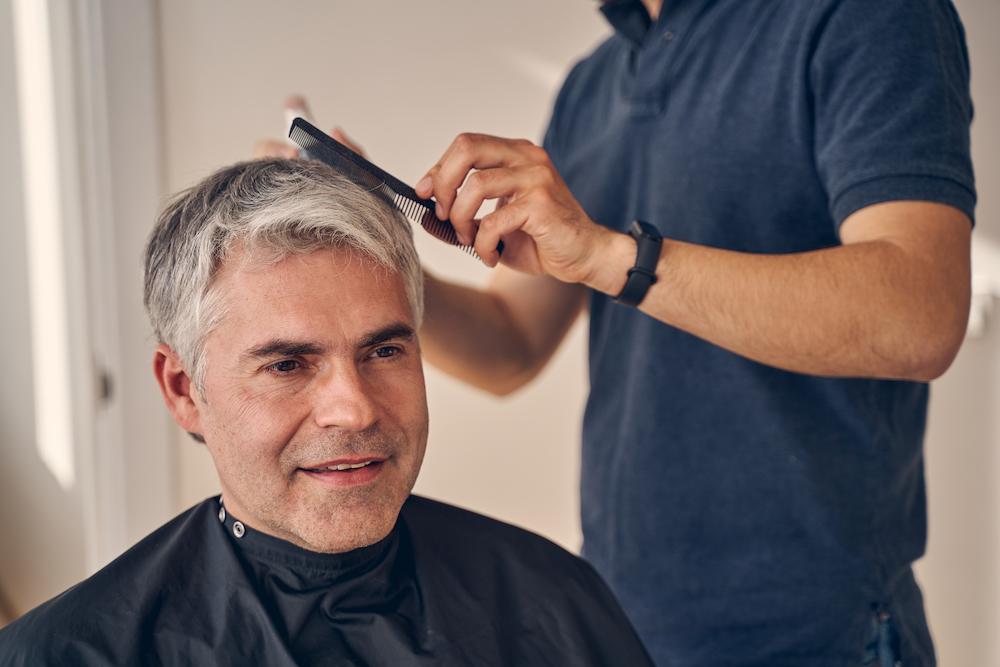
<point x="248" y="432"/>
<point x="404" y="397"/>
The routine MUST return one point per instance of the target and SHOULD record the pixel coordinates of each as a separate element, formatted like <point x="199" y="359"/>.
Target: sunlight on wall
<point x="43" y="215"/>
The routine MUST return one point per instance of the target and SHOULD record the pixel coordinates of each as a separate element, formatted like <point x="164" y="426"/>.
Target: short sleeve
<point x="890" y="84"/>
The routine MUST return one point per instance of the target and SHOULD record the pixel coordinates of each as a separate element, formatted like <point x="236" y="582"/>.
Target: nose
<point x="344" y="400"/>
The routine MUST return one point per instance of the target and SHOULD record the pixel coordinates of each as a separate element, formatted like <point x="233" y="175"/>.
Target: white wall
<point x="128" y="32"/>
<point x="94" y="91"/>
<point x="41" y="533"/>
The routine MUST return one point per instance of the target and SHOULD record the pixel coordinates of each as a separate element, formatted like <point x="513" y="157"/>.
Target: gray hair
<point x="272" y="208"/>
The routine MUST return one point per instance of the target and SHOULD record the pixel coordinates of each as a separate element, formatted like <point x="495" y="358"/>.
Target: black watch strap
<point x="641" y="276"/>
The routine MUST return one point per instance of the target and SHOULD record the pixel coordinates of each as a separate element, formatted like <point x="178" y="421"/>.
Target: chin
<point x="344" y="543"/>
<point x="349" y="529"/>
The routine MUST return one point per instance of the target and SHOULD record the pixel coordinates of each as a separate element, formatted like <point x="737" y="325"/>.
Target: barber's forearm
<point x="864" y="309"/>
<point x="468" y="334"/>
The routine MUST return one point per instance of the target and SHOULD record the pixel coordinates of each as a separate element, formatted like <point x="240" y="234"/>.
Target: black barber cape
<point x="446" y="587"/>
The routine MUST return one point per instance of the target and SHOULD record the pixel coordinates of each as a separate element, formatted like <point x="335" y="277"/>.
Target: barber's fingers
<point x="295" y="107"/>
<point x="471" y="151"/>
<point x="496" y="225"/>
<point x="480" y="186"/>
<point x="341" y="136"/>
<point x="298" y="105"/>
<point x="269" y="148"/>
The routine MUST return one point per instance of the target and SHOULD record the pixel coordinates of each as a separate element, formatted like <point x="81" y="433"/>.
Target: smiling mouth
<point x="344" y="474"/>
<point x="343" y="467"/>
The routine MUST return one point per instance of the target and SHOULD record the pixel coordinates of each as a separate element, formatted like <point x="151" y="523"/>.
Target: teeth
<point x="348" y="466"/>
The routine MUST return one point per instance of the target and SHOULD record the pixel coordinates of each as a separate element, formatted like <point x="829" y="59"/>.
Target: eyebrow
<point x="395" y="331"/>
<point x="283" y="347"/>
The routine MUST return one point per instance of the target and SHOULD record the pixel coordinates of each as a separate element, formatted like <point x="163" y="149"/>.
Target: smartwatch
<point x="641" y="276"/>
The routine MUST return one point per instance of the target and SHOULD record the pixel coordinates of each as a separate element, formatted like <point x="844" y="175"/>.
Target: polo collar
<point x="629" y="18"/>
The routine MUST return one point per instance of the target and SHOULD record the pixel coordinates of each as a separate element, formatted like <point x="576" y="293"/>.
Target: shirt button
<point x="222" y="514"/>
<point x="238" y="529"/>
<point x="668" y="35"/>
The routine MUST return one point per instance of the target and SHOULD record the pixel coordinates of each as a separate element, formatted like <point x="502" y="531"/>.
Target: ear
<point x="179" y="392"/>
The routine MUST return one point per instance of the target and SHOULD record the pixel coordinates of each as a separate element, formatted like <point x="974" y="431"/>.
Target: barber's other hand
<point x="279" y="148"/>
<point x="265" y="148"/>
<point x="543" y="227"/>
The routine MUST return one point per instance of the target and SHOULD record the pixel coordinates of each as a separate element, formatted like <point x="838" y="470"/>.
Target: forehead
<point x="331" y="296"/>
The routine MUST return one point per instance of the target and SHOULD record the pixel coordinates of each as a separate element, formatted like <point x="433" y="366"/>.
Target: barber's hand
<point x="543" y="227"/>
<point x="282" y="148"/>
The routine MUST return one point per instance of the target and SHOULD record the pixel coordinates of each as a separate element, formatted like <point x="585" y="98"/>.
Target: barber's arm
<point x="501" y="337"/>
<point x="891" y="302"/>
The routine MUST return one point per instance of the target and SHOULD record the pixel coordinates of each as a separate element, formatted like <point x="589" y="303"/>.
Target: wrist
<point x="616" y="255"/>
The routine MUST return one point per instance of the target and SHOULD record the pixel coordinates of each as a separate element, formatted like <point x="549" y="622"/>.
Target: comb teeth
<point x="422" y="215"/>
<point x="318" y="146"/>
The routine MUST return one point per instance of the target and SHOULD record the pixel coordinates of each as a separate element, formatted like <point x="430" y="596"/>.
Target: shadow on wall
<point x="6" y="612"/>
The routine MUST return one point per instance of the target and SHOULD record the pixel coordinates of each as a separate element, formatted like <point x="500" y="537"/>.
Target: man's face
<point x="315" y="364"/>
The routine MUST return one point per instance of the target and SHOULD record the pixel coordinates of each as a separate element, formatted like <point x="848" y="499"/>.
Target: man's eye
<point x="284" y="367"/>
<point x="386" y="351"/>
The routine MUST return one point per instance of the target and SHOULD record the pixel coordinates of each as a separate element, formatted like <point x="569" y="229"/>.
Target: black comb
<point x="316" y="145"/>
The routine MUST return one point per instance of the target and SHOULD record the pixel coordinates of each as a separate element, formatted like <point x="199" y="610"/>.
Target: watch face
<point x="640" y="228"/>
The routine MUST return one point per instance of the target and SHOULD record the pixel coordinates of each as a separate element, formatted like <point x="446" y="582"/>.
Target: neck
<point x="653" y="7"/>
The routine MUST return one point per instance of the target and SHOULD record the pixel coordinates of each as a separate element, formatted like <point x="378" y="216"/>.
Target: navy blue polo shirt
<point x="746" y="515"/>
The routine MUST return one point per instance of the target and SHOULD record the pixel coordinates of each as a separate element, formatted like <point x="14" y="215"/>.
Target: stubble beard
<point x="327" y="519"/>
